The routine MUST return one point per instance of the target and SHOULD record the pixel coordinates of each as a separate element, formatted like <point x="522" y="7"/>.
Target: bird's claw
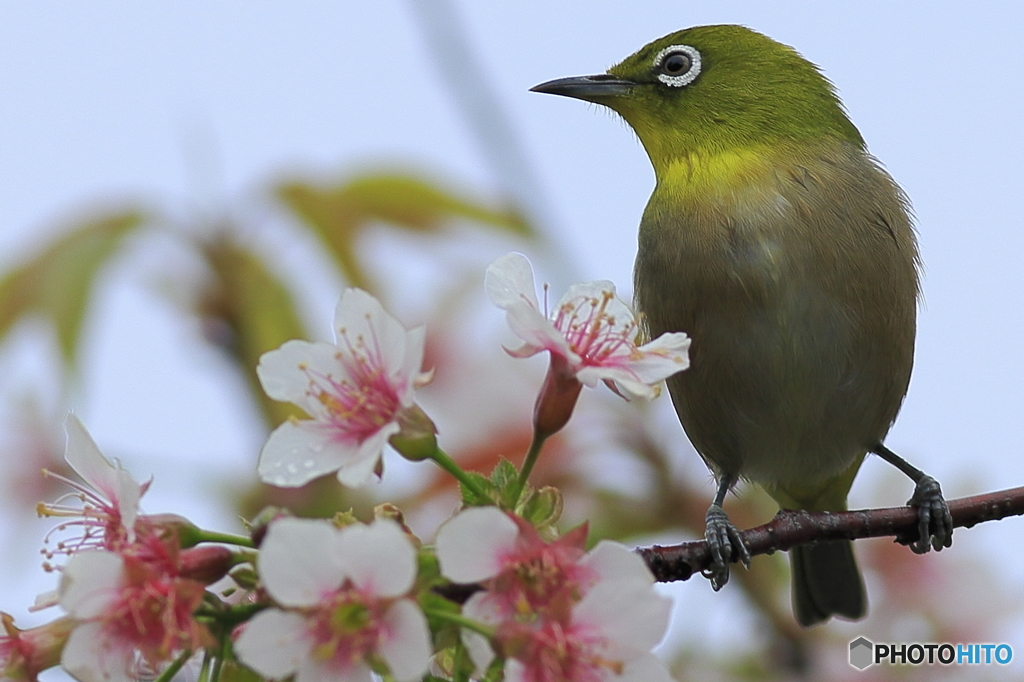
<point x="725" y="545"/>
<point x="935" y="524"/>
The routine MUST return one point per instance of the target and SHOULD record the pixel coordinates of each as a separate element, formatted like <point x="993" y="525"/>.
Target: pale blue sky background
<point x="203" y="103"/>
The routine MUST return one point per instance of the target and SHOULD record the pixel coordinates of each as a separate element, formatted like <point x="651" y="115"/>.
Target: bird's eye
<point x="677" y="65"/>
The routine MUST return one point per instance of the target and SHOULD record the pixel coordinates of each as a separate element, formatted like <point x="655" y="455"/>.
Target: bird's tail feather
<point x="826" y="582"/>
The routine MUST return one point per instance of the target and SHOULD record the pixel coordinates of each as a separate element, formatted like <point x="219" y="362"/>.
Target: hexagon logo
<point x="862" y="653"/>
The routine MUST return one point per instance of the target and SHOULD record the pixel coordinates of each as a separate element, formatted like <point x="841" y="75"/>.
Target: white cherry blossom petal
<point x="379" y="558"/>
<point x="663" y="357"/>
<point x="618" y="312"/>
<point x="274" y="643"/>
<point x="515" y="671"/>
<point x="90" y="582"/>
<point x="356" y="470"/>
<point x="509" y="281"/>
<point x="470" y="546"/>
<point x="407" y="649"/>
<point x="85" y="458"/>
<point x="45" y="600"/>
<point x="632" y="618"/>
<point x="103" y="476"/>
<point x="613" y="561"/>
<point x="647" y="668"/>
<point x="88" y="657"/>
<point x="479" y="649"/>
<point x="510" y="285"/>
<point x="625" y="384"/>
<point x="299" y="451"/>
<point x="360" y="318"/>
<point x="300" y="560"/>
<point x="285" y="372"/>
<point x="411" y="370"/>
<point x="483" y="608"/>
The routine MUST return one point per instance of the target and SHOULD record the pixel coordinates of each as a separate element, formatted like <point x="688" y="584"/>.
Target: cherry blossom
<point x="558" y="612"/>
<point x="132" y="616"/>
<point x="357" y="392"/>
<point x="342" y="604"/>
<point x="108" y="500"/>
<point x="591" y="331"/>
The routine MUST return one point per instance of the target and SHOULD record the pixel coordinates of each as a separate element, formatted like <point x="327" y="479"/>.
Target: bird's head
<point x="710" y="90"/>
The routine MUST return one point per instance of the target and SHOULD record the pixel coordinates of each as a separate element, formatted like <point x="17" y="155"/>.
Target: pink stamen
<point x="591" y="331"/>
<point x="365" y="399"/>
<point x="99" y="519"/>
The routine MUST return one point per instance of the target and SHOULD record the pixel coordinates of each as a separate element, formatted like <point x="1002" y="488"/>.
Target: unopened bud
<point x="557" y="398"/>
<point x="206" y="564"/>
<point x="417" y="439"/>
<point x="186" y="532"/>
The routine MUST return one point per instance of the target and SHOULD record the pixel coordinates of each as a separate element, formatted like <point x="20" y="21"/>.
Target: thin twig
<point x="791" y="528"/>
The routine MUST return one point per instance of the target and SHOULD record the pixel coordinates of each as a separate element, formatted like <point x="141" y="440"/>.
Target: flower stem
<point x="448" y="464"/>
<point x="204" y="670"/>
<point x="170" y="671"/>
<point x="218" y="662"/>
<point x="460" y="620"/>
<point x="238" y="613"/>
<point x="201" y="535"/>
<point x="461" y="673"/>
<point x="531" y="459"/>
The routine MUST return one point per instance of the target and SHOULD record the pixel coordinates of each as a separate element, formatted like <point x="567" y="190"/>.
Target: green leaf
<point x="504" y="474"/>
<point x="248" y="311"/>
<point x="58" y="282"/>
<point x="505" y="479"/>
<point x="338" y="214"/>
<point x="471" y="499"/>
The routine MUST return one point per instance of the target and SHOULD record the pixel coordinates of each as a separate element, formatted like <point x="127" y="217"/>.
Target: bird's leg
<point x="723" y="538"/>
<point x="935" y="524"/>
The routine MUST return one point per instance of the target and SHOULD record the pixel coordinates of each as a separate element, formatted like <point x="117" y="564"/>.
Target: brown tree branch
<point x="791" y="528"/>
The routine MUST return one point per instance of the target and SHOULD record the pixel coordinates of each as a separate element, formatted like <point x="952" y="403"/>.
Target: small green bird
<point x="779" y="244"/>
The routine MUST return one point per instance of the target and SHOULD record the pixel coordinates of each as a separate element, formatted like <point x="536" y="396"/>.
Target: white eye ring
<point x="683" y="78"/>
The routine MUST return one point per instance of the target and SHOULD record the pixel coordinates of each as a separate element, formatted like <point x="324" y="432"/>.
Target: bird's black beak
<point x="589" y="88"/>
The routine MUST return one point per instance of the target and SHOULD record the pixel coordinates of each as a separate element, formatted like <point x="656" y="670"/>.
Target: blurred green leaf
<point x="248" y="311"/>
<point x="57" y="283"/>
<point x="338" y="214"/>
